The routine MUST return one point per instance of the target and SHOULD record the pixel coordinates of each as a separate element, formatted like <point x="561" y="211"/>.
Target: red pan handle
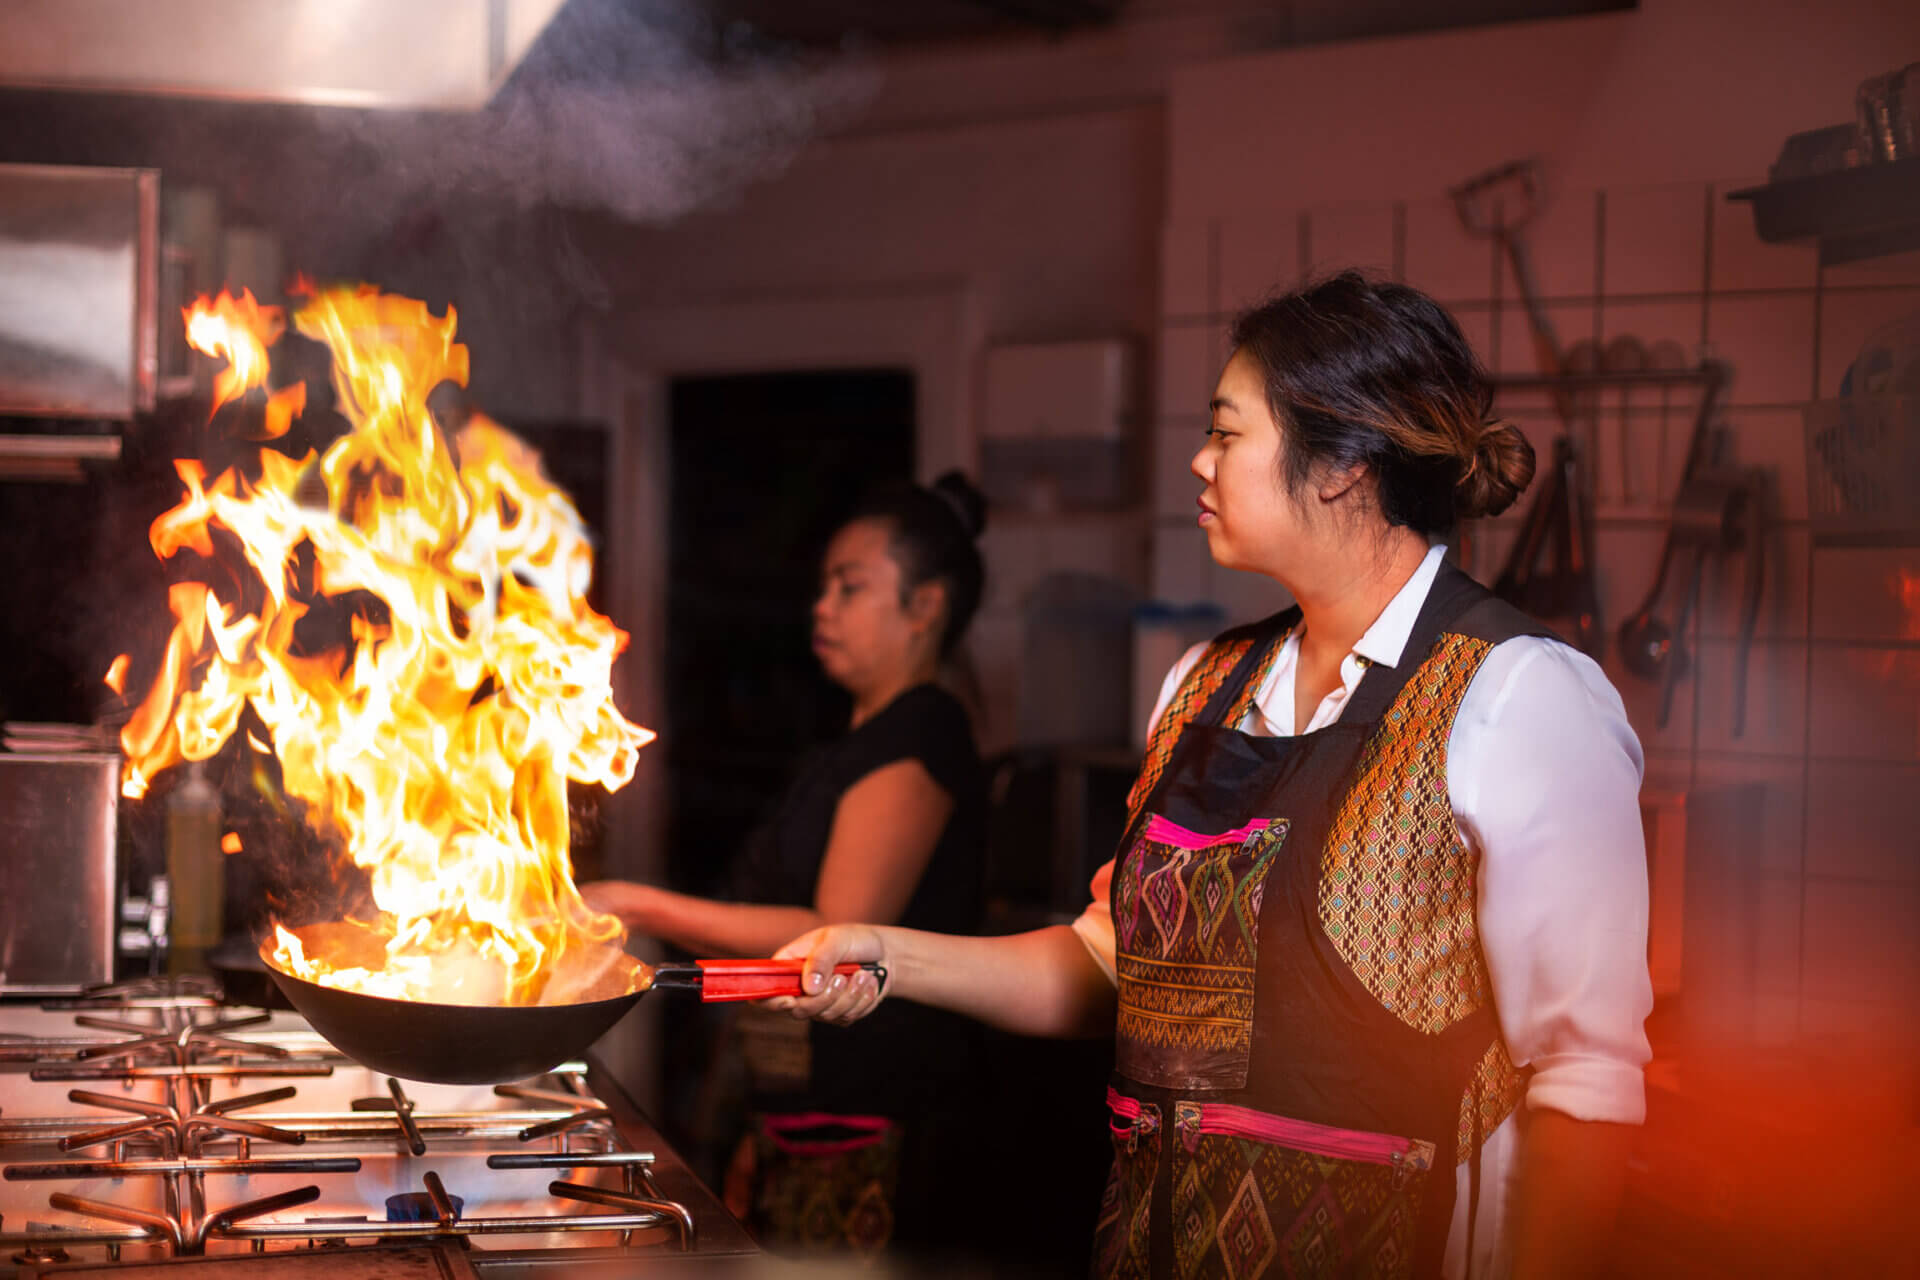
<point x="750" y="979"/>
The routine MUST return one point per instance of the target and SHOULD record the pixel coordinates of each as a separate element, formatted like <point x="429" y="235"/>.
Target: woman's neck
<point x="871" y="700"/>
<point x="1337" y="608"/>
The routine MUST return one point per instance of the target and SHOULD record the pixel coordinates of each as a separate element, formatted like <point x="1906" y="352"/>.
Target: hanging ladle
<point x="1710" y="516"/>
<point x="1701" y="522"/>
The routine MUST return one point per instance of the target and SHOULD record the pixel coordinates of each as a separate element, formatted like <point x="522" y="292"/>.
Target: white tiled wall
<point x="1832" y="692"/>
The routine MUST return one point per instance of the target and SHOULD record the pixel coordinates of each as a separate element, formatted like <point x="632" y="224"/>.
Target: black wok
<point x="494" y="1044"/>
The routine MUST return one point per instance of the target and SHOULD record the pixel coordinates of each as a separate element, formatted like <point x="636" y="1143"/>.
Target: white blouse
<point x="1544" y="774"/>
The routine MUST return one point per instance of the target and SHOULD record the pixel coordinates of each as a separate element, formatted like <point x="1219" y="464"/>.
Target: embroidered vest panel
<point x="1396" y="879"/>
<point x="1491" y="1096"/>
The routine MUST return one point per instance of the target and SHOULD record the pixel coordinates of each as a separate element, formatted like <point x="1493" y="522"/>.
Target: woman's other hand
<point x="835" y="997"/>
<point x="620" y="898"/>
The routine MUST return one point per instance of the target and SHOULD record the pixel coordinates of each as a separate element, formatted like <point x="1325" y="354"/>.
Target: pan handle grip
<point x="763" y="979"/>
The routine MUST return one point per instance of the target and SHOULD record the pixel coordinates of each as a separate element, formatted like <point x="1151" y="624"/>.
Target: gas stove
<point x="153" y="1124"/>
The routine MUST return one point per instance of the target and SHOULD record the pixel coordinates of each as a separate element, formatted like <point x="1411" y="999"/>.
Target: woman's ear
<point x="926" y="605"/>
<point x="1334" y="483"/>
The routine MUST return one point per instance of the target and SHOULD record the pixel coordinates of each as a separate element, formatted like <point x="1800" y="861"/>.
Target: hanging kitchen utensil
<point x="1647" y="643"/>
<point x="495" y="1044"/>
<point x="1716" y="512"/>
<point x="1754" y="537"/>
<point x="1583" y="359"/>
<point x="1624" y="354"/>
<point x="1664" y="356"/>
<point x="1705" y="521"/>
<point x="1558" y="516"/>
<point x="1499" y="204"/>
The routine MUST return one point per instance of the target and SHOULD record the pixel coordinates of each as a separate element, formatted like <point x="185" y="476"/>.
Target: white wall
<point x="1051" y="221"/>
<point x="1303" y="161"/>
<point x="1046" y="227"/>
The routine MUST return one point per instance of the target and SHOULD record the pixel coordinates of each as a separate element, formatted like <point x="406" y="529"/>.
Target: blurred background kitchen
<point x="726" y="262"/>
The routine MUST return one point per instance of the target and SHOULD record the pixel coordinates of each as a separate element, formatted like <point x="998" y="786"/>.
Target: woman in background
<point x="1374" y="943"/>
<point x="854" y="1141"/>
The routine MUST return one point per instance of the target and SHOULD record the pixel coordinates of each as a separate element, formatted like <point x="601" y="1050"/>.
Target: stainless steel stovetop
<point x="154" y="1131"/>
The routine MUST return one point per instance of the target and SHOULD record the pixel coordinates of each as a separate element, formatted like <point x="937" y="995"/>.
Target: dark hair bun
<point x="1499" y="470"/>
<point x="968" y="503"/>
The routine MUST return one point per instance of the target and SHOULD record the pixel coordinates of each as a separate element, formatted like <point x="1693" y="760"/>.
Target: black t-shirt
<point x="900" y="1058"/>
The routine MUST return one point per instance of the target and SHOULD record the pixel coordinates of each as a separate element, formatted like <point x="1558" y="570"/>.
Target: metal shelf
<point x="1867" y="211"/>
<point x="1712" y="374"/>
<point x="54" y="458"/>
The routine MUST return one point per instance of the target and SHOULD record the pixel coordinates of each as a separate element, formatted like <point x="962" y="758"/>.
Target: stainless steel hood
<point x="419" y="54"/>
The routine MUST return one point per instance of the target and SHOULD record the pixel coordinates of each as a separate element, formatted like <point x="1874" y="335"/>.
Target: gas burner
<point x="186" y="1227"/>
<point x="181" y="1129"/>
<point x="558" y="1173"/>
<point x="177" y="1036"/>
<point x="177" y="1040"/>
<point x="182" y="989"/>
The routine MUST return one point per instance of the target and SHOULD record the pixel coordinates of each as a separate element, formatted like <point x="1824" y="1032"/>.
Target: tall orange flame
<point x="438" y="744"/>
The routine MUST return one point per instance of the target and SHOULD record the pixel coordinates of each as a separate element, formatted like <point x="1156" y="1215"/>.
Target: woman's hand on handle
<point x="1042" y="983"/>
<point x="835" y="997"/>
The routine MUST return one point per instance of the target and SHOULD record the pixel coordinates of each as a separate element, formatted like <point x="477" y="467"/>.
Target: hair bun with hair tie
<point x="1497" y="470"/>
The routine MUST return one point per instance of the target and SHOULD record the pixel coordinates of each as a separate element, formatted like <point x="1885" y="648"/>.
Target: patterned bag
<point x="817" y="1183"/>
<point x="1255" y="1194"/>
<point x="1120" y="1231"/>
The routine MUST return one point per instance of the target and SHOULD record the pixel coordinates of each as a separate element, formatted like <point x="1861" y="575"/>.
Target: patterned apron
<point x="1306" y="1043"/>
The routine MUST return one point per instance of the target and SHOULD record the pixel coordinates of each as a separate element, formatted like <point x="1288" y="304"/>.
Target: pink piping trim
<point x="775" y="1128"/>
<point x="1225" y="1119"/>
<point x="1162" y="831"/>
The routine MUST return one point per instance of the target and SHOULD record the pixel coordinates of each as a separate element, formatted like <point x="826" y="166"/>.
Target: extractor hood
<point x="415" y="54"/>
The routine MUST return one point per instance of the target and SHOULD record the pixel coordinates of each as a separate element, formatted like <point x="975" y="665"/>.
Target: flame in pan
<point x="437" y="736"/>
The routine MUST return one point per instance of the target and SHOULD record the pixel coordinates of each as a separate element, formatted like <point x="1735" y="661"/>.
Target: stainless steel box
<point x="59" y="871"/>
<point x="79" y="280"/>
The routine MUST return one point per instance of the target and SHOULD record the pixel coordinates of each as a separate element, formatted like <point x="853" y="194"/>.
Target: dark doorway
<point x="764" y="467"/>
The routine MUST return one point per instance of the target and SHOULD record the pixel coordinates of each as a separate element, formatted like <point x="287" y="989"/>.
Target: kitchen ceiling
<point x="455" y="54"/>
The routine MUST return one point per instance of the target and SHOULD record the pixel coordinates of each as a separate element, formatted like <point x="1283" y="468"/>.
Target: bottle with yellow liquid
<point x="196" y="867"/>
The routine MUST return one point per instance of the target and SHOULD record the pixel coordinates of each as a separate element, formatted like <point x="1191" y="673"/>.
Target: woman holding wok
<point x="1373" y="945"/>
<point x="854" y="1140"/>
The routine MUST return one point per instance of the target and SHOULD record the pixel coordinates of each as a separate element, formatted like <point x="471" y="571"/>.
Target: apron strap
<point x="1268" y="635"/>
<point x="1452" y="595"/>
<point x="1256" y="644"/>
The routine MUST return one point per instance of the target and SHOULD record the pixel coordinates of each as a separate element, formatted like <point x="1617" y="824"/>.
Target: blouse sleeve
<point x="1095" y="924"/>
<point x="1544" y="772"/>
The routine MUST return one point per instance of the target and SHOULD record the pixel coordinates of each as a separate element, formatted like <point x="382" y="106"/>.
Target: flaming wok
<point x="494" y="1044"/>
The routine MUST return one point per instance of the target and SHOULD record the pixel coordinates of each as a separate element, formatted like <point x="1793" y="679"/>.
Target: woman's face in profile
<point x="862" y="632"/>
<point x="1245" y="513"/>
